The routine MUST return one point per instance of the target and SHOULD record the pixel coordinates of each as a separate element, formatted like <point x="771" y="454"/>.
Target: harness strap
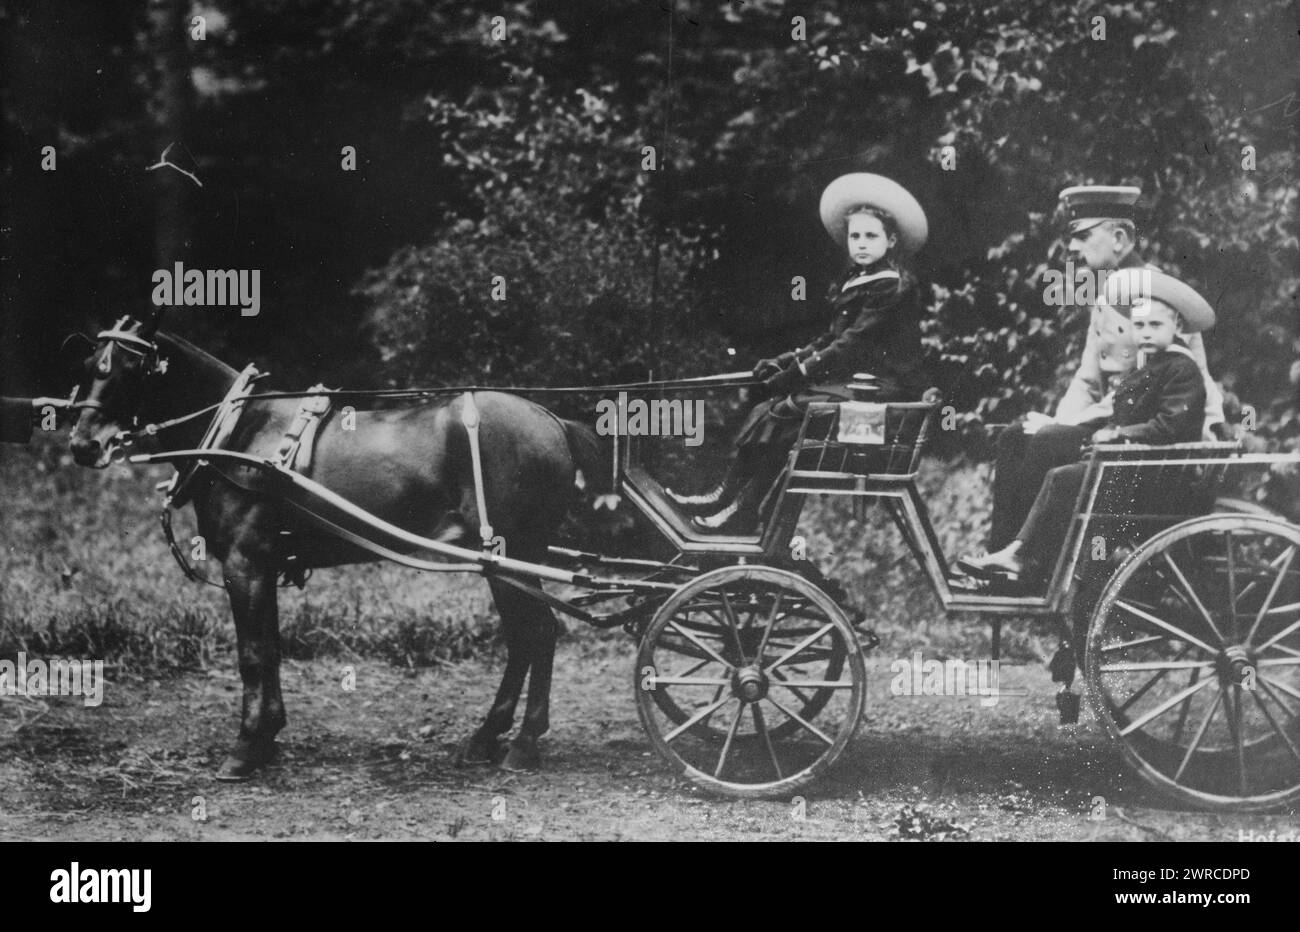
<point x="296" y="447"/>
<point x="470" y="418"/>
<point x="222" y="426"/>
<point x="190" y="573"/>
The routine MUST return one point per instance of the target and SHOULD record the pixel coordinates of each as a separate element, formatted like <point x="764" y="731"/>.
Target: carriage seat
<point x="846" y="441"/>
<point x="1158" y="483"/>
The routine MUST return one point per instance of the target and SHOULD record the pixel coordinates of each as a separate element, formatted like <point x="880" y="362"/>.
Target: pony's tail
<point x="589" y="455"/>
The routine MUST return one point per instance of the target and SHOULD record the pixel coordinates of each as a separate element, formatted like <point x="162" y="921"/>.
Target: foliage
<point x="553" y="278"/>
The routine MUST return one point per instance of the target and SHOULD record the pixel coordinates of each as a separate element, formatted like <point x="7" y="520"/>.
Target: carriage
<point x="1182" y="608"/>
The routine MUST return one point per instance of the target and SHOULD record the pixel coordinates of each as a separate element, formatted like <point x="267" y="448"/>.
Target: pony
<point x="409" y="462"/>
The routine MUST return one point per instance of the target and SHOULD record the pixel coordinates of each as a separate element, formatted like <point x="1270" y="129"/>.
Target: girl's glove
<point x="768" y="367"/>
<point x="783" y="382"/>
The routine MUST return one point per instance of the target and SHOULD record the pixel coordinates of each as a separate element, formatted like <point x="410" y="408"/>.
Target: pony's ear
<point x="151" y="323"/>
<point x="73" y="352"/>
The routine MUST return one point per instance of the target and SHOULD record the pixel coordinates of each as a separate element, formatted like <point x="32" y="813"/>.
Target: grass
<point x="85" y="572"/>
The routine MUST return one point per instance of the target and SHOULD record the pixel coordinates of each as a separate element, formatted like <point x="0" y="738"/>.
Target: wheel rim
<point x="750" y="681"/>
<point x="1193" y="662"/>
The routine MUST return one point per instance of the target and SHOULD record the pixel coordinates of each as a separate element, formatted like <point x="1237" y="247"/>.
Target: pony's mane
<point x="200" y="354"/>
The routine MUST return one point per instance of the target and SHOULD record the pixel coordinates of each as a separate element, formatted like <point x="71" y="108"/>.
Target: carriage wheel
<point x="748" y="600"/>
<point x="1193" y="661"/>
<point x="740" y="681"/>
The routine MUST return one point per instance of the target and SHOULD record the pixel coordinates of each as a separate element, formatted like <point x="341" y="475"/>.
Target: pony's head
<point x="116" y="383"/>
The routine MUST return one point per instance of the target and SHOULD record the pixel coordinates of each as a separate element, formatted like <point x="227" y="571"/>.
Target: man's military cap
<point x="1088" y="205"/>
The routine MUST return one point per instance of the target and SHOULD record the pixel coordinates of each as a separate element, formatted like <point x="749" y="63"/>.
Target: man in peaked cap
<point x="1161" y="401"/>
<point x="1101" y="235"/>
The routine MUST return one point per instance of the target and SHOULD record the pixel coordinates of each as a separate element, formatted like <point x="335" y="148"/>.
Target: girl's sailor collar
<point x="863" y="276"/>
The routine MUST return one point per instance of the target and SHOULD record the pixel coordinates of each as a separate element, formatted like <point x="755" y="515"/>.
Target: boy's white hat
<point x="863" y="189"/>
<point x="1127" y="290"/>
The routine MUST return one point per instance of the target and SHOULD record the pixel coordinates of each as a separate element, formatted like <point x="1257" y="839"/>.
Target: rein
<point x="724" y="380"/>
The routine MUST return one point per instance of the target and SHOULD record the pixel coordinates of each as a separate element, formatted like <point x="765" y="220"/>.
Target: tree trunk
<point x="169" y="111"/>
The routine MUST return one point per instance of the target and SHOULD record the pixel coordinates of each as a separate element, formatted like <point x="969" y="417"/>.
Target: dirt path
<point x="376" y="763"/>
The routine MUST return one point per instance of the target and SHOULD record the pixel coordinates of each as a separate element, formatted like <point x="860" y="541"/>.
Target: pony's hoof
<point x="245" y="760"/>
<point x="475" y="752"/>
<point x="522" y="759"/>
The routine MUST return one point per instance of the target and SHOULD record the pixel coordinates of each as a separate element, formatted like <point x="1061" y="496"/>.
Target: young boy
<point x="1161" y="401"/>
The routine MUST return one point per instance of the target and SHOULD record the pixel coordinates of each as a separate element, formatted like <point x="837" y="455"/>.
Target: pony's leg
<point x="253" y="602"/>
<point x="541" y="632"/>
<point x="483" y="746"/>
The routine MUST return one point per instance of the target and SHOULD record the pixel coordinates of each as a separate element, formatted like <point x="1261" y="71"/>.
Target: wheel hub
<point x="749" y="684"/>
<point x="1235" y="662"/>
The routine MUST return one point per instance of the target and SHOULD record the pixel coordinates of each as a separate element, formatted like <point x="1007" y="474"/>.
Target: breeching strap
<point x="469" y="417"/>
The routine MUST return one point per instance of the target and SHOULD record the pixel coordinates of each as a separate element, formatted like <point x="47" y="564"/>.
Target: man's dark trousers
<point x="1023" y="461"/>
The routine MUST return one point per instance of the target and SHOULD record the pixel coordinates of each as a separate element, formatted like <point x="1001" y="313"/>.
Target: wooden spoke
<point x="726" y="747"/>
<point x="1187" y="705"/>
<point x="781" y="680"/>
<point x="1264" y="683"/>
<point x="1195" y="600"/>
<point x="1272" y="565"/>
<point x="689" y="680"/>
<point x="1232" y="582"/>
<point x="794" y="651"/>
<point x="1172" y="629"/>
<point x="1136" y="642"/>
<point x="768" y="626"/>
<point x="1200" y="733"/>
<point x="1286" y="739"/>
<point x="1146" y="687"/>
<point x="1285" y="632"/>
<point x="699" y="666"/>
<point x="696" y="718"/>
<point x="1277" y="684"/>
<point x="1239" y="737"/>
<point x="798" y="718"/>
<point x="1156" y="665"/>
<point x="698" y="643"/>
<point x="1273" y="593"/>
<point x="733" y="626"/>
<point x="761" y="727"/>
<point x="1164" y="707"/>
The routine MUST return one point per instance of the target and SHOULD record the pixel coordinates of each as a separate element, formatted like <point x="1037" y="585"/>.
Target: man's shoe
<point x="730" y="520"/>
<point x="698" y="504"/>
<point x="1000" y="565"/>
<point x="969" y="585"/>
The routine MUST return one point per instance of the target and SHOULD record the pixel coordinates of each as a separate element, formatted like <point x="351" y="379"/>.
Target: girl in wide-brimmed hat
<point x="876" y="329"/>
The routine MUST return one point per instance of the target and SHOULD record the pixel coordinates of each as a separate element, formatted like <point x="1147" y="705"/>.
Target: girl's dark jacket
<point x="876" y="328"/>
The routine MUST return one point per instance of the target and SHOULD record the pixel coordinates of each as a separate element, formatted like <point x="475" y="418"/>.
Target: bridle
<point x="128" y="340"/>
